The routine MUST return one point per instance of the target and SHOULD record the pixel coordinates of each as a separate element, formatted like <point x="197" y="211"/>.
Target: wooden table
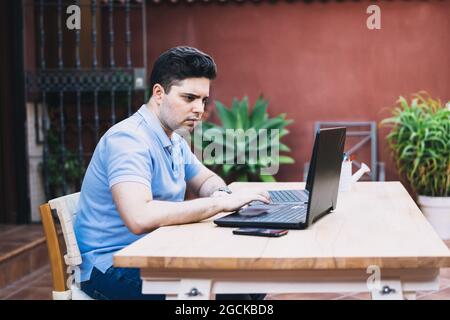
<point x="377" y="237"/>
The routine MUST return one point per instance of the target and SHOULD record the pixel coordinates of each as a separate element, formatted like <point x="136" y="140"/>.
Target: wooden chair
<point x="65" y="284"/>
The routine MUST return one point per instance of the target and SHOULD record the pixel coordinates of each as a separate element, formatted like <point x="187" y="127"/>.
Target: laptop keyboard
<point x="280" y="196"/>
<point x="279" y="213"/>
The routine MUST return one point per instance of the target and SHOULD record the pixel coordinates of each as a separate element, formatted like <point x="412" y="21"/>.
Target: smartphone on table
<point x="260" y="232"/>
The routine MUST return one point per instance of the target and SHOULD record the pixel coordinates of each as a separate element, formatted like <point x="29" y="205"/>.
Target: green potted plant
<point x="72" y="168"/>
<point x="259" y="153"/>
<point x="420" y="143"/>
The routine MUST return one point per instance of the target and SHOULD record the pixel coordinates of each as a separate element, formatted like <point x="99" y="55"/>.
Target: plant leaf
<point x="285" y="160"/>
<point x="227" y="117"/>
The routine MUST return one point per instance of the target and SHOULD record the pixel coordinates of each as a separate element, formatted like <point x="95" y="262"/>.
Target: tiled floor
<point x="35" y="286"/>
<point x="13" y="237"/>
<point x="38" y="285"/>
<point x="22" y="250"/>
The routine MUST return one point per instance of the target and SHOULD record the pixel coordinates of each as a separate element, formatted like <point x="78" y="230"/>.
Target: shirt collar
<point x="154" y="123"/>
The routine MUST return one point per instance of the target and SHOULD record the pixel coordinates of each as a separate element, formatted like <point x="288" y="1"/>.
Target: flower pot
<point x="437" y="211"/>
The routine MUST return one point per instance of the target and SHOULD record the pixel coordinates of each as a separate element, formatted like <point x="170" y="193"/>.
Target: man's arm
<point x="142" y="214"/>
<point x="205" y="183"/>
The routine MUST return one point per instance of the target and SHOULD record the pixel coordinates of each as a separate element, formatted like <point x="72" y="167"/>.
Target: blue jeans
<point x="126" y="284"/>
<point x="116" y="284"/>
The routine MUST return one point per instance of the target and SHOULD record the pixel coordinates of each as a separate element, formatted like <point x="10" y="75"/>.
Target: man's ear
<point x="158" y="93"/>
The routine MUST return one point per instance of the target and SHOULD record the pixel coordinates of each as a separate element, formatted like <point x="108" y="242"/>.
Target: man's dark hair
<point x="180" y="63"/>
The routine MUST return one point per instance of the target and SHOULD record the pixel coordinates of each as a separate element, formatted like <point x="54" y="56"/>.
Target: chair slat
<point x="54" y="252"/>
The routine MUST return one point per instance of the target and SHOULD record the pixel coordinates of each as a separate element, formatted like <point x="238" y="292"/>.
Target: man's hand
<point x="232" y="202"/>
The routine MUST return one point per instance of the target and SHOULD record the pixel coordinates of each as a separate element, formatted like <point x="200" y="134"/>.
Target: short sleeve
<point x="127" y="159"/>
<point x="192" y="165"/>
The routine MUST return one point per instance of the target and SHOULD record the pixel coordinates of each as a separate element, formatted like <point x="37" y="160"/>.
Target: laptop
<point x="297" y="209"/>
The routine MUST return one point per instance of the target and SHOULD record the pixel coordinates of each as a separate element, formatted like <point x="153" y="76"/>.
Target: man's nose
<point x="199" y="107"/>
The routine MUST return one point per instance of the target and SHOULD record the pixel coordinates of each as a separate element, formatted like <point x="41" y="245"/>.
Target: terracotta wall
<point x="315" y="61"/>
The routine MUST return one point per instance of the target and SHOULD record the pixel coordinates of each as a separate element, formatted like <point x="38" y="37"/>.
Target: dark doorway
<point x="14" y="202"/>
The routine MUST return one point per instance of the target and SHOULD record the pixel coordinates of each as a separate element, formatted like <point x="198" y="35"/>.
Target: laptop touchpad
<point x="251" y="211"/>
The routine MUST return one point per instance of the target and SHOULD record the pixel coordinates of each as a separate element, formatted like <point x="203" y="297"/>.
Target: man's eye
<point x="189" y="98"/>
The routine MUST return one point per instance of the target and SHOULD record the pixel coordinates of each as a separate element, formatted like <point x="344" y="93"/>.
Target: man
<point x="138" y="175"/>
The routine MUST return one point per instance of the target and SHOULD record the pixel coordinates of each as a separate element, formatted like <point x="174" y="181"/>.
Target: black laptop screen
<point x="324" y="172"/>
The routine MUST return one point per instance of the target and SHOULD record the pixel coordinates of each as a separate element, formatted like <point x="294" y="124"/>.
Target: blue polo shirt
<point x="134" y="150"/>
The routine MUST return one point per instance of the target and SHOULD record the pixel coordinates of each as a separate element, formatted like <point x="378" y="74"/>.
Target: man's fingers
<point x="262" y="198"/>
<point x="265" y="194"/>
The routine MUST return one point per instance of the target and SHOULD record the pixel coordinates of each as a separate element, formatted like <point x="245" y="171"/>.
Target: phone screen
<point x="260" y="232"/>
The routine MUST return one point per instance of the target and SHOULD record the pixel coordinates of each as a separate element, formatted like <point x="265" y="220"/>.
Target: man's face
<point x="182" y="108"/>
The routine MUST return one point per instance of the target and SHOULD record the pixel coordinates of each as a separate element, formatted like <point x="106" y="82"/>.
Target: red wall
<point x="314" y="61"/>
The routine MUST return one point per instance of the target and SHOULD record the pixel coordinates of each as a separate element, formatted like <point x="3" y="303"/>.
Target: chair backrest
<point x="65" y="208"/>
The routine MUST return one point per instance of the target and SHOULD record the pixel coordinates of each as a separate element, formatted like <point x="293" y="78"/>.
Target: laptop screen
<point x="324" y="172"/>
